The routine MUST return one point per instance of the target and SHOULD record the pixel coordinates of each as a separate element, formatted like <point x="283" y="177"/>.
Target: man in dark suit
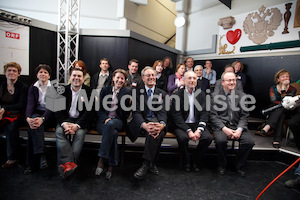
<point x="149" y="120"/>
<point x="134" y="80"/>
<point x="190" y="121"/>
<point x="228" y="116"/>
<point x="202" y="83"/>
<point x="103" y="77"/>
<point x="239" y="85"/>
<point x="72" y="121"/>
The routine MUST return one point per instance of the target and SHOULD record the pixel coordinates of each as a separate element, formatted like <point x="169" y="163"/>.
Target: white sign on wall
<point x="234" y="38"/>
<point x="14" y="45"/>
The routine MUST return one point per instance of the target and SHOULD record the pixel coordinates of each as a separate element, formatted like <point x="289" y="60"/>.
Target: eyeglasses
<point x="230" y="80"/>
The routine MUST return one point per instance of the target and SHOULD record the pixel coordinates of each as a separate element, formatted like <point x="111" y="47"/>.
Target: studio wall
<point x="42" y="50"/>
<point x="260" y="73"/>
<point x="119" y="50"/>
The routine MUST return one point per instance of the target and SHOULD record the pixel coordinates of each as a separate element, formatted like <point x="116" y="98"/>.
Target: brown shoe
<point x="261" y="133"/>
<point x="10" y="164"/>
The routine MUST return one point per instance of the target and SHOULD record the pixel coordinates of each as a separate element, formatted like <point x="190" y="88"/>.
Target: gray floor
<point x="265" y="164"/>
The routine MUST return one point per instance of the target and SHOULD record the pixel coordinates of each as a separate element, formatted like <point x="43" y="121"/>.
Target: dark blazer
<point x="84" y="116"/>
<point x="95" y="79"/>
<point x="140" y="116"/>
<point x="203" y="84"/>
<point x="171" y="84"/>
<point x="32" y="103"/>
<point x="121" y="114"/>
<point x="180" y="115"/>
<point x="219" y="119"/>
<point x="20" y="97"/>
<point x="161" y="83"/>
<point x="137" y="79"/>
<point x="238" y="86"/>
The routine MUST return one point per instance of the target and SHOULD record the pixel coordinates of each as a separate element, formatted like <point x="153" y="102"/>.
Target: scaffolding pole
<point x="67" y="38"/>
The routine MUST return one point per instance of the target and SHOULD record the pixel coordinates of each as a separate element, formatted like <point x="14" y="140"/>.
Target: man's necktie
<point x="229" y="107"/>
<point x="150" y="113"/>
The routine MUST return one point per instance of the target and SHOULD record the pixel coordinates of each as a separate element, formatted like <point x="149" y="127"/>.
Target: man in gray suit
<point x="229" y="121"/>
<point x="239" y="85"/>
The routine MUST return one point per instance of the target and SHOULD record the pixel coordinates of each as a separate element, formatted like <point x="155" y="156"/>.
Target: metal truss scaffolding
<point x="67" y="38"/>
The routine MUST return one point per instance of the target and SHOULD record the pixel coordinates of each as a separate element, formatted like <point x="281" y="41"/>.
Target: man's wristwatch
<point x="43" y="118"/>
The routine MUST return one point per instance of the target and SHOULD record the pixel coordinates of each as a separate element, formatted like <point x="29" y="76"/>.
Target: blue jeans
<point x="11" y="130"/>
<point x="65" y="151"/>
<point x="109" y="145"/>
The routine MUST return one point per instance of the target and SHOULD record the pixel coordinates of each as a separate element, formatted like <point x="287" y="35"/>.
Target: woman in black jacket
<point x="161" y="80"/>
<point x="37" y="117"/>
<point x="13" y="95"/>
<point x="111" y="118"/>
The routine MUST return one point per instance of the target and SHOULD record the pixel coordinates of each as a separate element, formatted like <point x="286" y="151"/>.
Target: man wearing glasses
<point x="238" y="86"/>
<point x="149" y="120"/>
<point x="229" y="121"/>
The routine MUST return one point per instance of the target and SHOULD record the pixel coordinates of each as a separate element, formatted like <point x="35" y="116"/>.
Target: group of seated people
<point x="142" y="104"/>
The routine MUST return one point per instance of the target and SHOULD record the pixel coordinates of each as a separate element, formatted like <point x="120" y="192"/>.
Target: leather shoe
<point x="276" y="145"/>
<point x="108" y="175"/>
<point x="141" y="172"/>
<point x="43" y="162"/>
<point x="262" y="132"/>
<point x="294" y="183"/>
<point x="9" y="165"/>
<point x="69" y="168"/>
<point x="221" y="170"/>
<point x="153" y="169"/>
<point x="242" y="173"/>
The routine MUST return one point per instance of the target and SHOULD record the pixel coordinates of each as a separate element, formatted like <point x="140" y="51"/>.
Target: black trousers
<point x="246" y="144"/>
<point x="276" y="121"/>
<point x="152" y="146"/>
<point x="183" y="143"/>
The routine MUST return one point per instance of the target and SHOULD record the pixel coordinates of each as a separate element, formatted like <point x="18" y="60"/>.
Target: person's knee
<point x="182" y="139"/>
<point x="80" y="134"/>
<point x="110" y="124"/>
<point x="207" y="137"/>
<point x="248" y="142"/>
<point x="220" y="140"/>
<point x="59" y="132"/>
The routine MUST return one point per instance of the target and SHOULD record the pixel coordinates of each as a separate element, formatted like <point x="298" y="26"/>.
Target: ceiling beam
<point x="226" y="3"/>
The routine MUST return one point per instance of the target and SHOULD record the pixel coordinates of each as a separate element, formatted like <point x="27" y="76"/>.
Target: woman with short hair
<point x="277" y="117"/>
<point x="37" y="117"/>
<point x="13" y="95"/>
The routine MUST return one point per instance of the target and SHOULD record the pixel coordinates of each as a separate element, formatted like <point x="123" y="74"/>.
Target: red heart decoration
<point x="233" y="36"/>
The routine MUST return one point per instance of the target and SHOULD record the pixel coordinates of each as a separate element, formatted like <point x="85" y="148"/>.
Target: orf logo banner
<point x="12" y="35"/>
